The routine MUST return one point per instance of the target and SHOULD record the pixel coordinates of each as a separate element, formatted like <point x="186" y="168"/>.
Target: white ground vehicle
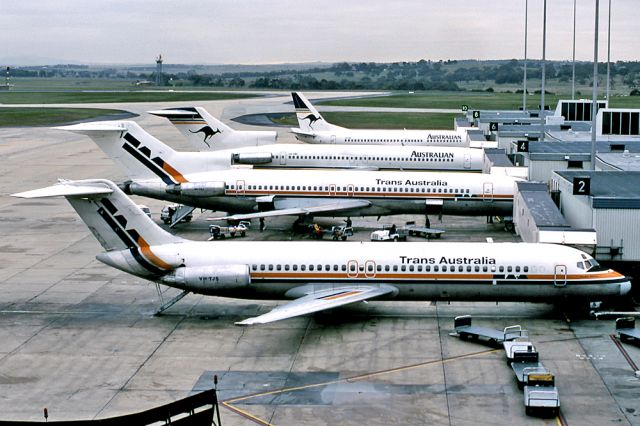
<point x="391" y="234"/>
<point x="341" y="232"/>
<point x="218" y="231"/>
<point x="168" y="211"/>
<point x="541" y="395"/>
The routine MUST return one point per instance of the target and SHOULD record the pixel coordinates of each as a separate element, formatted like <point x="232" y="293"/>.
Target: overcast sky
<point x="275" y="31"/>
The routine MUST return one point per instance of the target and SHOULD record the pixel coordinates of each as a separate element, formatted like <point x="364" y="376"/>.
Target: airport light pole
<point x="608" y="50"/>
<point x="594" y="102"/>
<point x="573" y="74"/>
<point x="544" y="58"/>
<point x="524" y="79"/>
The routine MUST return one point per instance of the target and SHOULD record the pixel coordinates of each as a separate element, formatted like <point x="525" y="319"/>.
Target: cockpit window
<point x="580" y="265"/>
<point x="592" y="265"/>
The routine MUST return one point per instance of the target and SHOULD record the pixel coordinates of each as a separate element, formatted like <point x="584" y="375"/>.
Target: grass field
<point x="112" y="97"/>
<point x="20" y="117"/>
<point x="475" y="100"/>
<point x="380" y="120"/>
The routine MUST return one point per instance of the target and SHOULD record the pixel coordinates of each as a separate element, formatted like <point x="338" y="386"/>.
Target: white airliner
<point x="204" y="132"/>
<point x="313" y="128"/>
<point x="157" y="171"/>
<point x="326" y="156"/>
<point x="320" y="276"/>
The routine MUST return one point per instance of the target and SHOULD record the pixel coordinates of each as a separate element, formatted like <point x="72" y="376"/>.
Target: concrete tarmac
<point x="80" y="338"/>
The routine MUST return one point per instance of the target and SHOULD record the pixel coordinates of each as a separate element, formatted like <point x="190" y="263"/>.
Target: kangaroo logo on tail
<point x="312" y="119"/>
<point x="208" y="133"/>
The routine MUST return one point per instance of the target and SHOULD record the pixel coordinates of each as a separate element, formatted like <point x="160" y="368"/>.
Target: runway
<point x="80" y="338"/>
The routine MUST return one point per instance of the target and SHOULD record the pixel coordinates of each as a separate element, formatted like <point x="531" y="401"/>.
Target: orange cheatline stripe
<point x="146" y="250"/>
<point x="340" y="296"/>
<point x="420" y="275"/>
<point x="436" y="195"/>
<point x="174" y="173"/>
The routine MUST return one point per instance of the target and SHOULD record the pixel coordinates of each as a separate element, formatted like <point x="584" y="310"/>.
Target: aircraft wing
<point x="334" y="206"/>
<point x="320" y="301"/>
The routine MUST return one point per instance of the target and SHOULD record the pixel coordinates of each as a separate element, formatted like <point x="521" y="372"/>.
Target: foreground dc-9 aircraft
<point x="327" y="156"/>
<point x="320" y="276"/>
<point x="313" y="128"/>
<point x="155" y="170"/>
<point x="205" y="132"/>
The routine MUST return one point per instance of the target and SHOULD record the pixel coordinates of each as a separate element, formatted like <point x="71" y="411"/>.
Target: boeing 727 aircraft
<point x="326" y="156"/>
<point x="156" y="171"/>
<point x="324" y="276"/>
<point x="313" y="128"/>
<point x="205" y="132"/>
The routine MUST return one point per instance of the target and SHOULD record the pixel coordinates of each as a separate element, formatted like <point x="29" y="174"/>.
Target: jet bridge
<point x="538" y="220"/>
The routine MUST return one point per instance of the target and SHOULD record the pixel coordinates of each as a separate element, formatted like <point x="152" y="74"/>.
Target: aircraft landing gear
<point x="301" y="225"/>
<point x="261" y="224"/>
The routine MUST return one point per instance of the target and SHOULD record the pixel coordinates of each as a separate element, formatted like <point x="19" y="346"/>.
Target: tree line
<point x="420" y="75"/>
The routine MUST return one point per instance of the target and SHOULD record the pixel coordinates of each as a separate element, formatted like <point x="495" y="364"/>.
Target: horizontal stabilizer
<point x="98" y="126"/>
<point x="67" y="188"/>
<point x="320" y="301"/>
<point x="301" y="132"/>
<point x="176" y="113"/>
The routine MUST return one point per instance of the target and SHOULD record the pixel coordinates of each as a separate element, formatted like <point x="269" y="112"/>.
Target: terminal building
<point x="609" y="203"/>
<point x="564" y="201"/>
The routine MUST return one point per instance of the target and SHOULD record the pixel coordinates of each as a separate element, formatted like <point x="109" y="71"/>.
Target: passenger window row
<point x="367" y="158"/>
<point x="389" y="268"/>
<point x="351" y="189"/>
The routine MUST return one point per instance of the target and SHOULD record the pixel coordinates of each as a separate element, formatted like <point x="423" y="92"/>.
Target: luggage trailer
<point x="465" y="330"/>
<point x="538" y="384"/>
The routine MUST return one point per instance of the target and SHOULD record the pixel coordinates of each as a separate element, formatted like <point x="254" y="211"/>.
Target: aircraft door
<point x="370" y="269"/>
<point x="333" y="138"/>
<point x="560" y="276"/>
<point x="352" y="269"/>
<point x="467" y="161"/>
<point x="487" y="191"/>
<point x="350" y="190"/>
<point x="283" y="158"/>
<point x="240" y="187"/>
<point x="332" y="190"/>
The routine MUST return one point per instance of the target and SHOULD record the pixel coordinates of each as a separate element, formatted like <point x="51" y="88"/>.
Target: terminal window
<point x="578" y="111"/>
<point x="621" y="123"/>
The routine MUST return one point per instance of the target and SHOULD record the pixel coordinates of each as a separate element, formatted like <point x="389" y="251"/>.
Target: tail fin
<point x="309" y="119"/>
<point x="201" y="129"/>
<point x="116" y="222"/>
<point x="141" y="155"/>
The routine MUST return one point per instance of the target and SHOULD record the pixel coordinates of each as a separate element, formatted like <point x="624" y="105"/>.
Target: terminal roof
<point x="609" y="189"/>
<point x="557" y="150"/>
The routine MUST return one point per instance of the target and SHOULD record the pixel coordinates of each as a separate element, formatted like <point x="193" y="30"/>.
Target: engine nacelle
<point x="253" y="158"/>
<point x="205" y="279"/>
<point x="197" y="189"/>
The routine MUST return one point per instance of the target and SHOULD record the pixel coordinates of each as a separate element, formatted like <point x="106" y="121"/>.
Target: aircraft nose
<point x="625" y="288"/>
